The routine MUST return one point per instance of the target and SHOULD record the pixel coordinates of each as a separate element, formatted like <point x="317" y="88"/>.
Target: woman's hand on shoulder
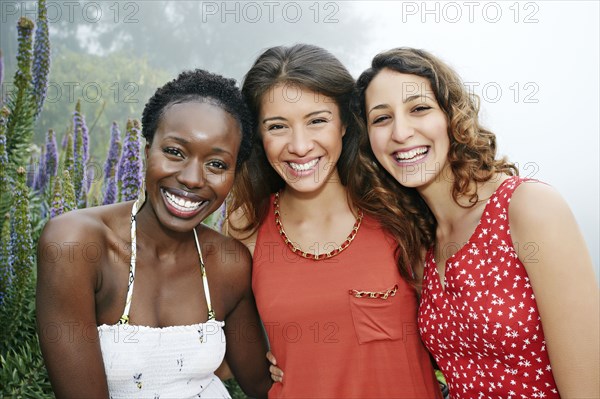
<point x="67" y="277"/>
<point x="553" y="251"/>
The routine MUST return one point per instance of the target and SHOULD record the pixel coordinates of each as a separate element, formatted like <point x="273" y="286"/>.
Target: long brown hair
<point x="316" y="69"/>
<point x="307" y="67"/>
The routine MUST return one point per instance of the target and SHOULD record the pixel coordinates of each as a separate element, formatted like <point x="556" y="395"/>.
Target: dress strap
<point x="211" y="312"/>
<point x="134" y="210"/>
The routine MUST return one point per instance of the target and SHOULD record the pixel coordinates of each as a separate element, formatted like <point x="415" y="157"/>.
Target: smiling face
<point x="191" y="163"/>
<point x="408" y="130"/>
<point x="302" y="134"/>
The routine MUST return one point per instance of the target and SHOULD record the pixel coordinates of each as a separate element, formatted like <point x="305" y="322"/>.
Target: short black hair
<point x="200" y="86"/>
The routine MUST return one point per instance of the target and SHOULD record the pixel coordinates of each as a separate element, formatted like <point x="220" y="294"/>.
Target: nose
<point x="301" y="143"/>
<point x="402" y="129"/>
<point x="192" y="175"/>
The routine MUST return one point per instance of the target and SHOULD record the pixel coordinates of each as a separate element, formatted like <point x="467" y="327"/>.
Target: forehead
<point x="291" y="97"/>
<point x="197" y="115"/>
<point x="389" y="84"/>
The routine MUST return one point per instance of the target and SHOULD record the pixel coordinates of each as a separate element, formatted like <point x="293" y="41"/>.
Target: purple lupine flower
<point x="114" y="151"/>
<point x="110" y="190"/>
<point x="68" y="160"/>
<point x="79" y="122"/>
<point x="31" y="174"/>
<point x="51" y="154"/>
<point x="110" y="166"/>
<point x="41" y="179"/>
<point x="82" y="197"/>
<point x="129" y="174"/>
<point x="56" y="207"/>
<point x="63" y="142"/>
<point x="79" y="166"/>
<point x="90" y="175"/>
<point x="41" y="58"/>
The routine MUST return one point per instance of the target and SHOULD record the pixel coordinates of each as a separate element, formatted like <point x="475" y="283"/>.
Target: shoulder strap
<point x="211" y="312"/>
<point x="134" y="210"/>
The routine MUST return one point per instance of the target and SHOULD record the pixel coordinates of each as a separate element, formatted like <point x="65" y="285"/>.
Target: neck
<point x="447" y="212"/>
<point x="329" y="198"/>
<point x="152" y="234"/>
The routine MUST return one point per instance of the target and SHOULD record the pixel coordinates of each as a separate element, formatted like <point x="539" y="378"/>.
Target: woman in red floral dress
<point x="510" y="304"/>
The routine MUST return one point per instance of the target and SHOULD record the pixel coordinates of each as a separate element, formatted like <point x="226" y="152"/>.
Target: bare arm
<point x="554" y="253"/>
<point x="246" y="339"/>
<point x="65" y="310"/>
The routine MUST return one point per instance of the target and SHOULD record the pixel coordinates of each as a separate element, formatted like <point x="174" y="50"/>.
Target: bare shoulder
<point x="81" y="237"/>
<point x="535" y="204"/>
<point x="228" y="253"/>
<point x="84" y="225"/>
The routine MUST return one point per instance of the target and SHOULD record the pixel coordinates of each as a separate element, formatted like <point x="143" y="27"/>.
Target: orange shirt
<point x="329" y="343"/>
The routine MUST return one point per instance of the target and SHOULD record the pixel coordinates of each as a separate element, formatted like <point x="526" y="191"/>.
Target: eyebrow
<point x="281" y="118"/>
<point x="181" y="140"/>
<point x="406" y="100"/>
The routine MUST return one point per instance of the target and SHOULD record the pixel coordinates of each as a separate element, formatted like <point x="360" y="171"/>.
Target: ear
<point x="147" y="149"/>
<point x="344" y="128"/>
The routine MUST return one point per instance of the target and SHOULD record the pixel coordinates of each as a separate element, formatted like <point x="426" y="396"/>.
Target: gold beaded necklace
<point x="307" y="255"/>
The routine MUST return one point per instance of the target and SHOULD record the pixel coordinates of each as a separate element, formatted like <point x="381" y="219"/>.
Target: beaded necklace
<point x="307" y="255"/>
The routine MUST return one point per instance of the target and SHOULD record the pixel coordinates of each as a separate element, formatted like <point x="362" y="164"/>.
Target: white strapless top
<point x="169" y="362"/>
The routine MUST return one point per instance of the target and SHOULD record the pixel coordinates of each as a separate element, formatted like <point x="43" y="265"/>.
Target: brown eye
<point x="380" y="119"/>
<point x="173" y="151"/>
<point x="421" y="108"/>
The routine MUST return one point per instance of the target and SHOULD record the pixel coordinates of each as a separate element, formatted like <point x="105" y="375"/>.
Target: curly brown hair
<point x="472" y="153"/>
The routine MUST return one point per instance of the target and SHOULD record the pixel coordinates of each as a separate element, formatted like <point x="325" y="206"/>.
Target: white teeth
<point x="409" y="155"/>
<point x="181" y="203"/>
<point x="304" y="166"/>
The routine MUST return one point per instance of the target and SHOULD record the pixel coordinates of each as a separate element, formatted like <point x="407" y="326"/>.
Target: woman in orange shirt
<point x="331" y="274"/>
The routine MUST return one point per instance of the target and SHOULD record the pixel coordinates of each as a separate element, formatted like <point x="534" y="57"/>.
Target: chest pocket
<point x="382" y="315"/>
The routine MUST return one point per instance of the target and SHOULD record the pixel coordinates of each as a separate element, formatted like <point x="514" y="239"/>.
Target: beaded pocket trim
<point x="375" y="294"/>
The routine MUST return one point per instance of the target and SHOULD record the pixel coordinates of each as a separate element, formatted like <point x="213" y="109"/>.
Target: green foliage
<point x="69" y="199"/>
<point x="22" y="370"/>
<point x="110" y="88"/>
<point x="19" y="127"/>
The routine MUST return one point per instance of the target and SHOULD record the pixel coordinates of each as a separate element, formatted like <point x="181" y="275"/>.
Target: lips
<point x="411" y="156"/>
<point x="182" y="203"/>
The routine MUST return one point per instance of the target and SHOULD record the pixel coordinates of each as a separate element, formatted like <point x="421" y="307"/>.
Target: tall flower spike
<point x="51" y="154"/>
<point x="79" y="122"/>
<point x="110" y="166"/>
<point x="5" y="266"/>
<point x="69" y="160"/>
<point x="19" y="127"/>
<point x="41" y="58"/>
<point x="39" y="167"/>
<point x="69" y="199"/>
<point x="21" y="243"/>
<point x="130" y="166"/>
<point x="3" y="155"/>
<point x="79" y="172"/>
<point x="56" y="207"/>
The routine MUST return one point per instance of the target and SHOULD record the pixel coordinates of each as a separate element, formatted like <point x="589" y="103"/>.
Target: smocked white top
<point x="168" y="362"/>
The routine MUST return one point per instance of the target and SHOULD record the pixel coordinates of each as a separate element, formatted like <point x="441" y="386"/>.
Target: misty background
<point x="534" y="65"/>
